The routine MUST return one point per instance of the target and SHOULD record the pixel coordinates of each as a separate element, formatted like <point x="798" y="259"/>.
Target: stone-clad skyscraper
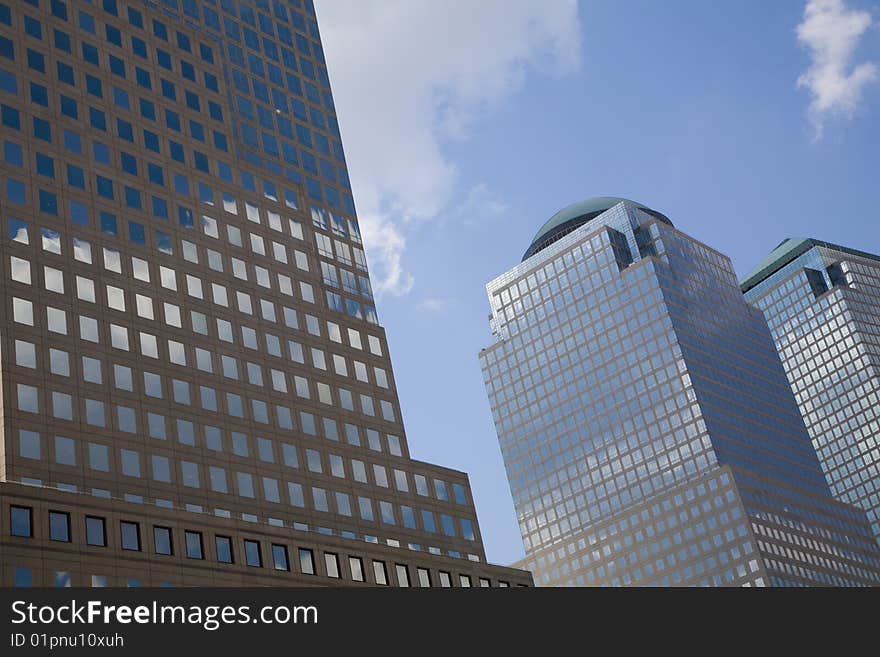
<point x="195" y="386"/>
<point x="648" y="430"/>
<point x="822" y="302"/>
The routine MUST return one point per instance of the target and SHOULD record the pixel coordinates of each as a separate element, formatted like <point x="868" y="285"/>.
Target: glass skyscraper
<point x="649" y="433"/>
<point x="195" y="386"/>
<point x="822" y="302"/>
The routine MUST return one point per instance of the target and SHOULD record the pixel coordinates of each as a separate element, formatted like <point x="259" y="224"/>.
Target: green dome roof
<point x="576" y="215"/>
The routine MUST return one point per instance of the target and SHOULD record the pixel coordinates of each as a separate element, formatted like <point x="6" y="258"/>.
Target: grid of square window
<point x="625" y="364"/>
<point x="191" y="323"/>
<point x="824" y="326"/>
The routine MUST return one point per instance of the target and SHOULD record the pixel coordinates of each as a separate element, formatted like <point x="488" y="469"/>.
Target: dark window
<point x="162" y="540"/>
<point x="194" y="545"/>
<point x="42" y="130"/>
<point x="59" y="526"/>
<point x="136" y="232"/>
<point x="252" y="555"/>
<point x="114" y="36"/>
<point x="36" y="60"/>
<point x="13" y="154"/>
<point x="95" y="534"/>
<point x="90" y="54"/>
<point x="45" y="165"/>
<point x="130" y="535"/>
<point x="108" y="223"/>
<point x="32" y="27"/>
<point x="94" y="87"/>
<point x="129" y="163"/>
<point x="7" y="49"/>
<point x="68" y="107"/>
<point x="224" y="549"/>
<point x="59" y="9"/>
<point x="139" y="47"/>
<point x="39" y="94"/>
<point x="11" y="118"/>
<point x="135" y="18"/>
<point x="21" y="521"/>
<point x="279" y="557"/>
<point x="117" y="66"/>
<point x="97" y="119"/>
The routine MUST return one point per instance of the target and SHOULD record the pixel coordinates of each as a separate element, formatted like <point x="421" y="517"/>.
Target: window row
<point x="132" y="463"/>
<point x="164" y="541"/>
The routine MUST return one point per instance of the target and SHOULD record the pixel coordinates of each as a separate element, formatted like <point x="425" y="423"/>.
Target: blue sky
<point x="467" y="125"/>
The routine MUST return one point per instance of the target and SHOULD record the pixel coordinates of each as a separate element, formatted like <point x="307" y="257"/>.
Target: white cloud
<point x="433" y="305"/>
<point x="831" y="33"/>
<point x="410" y="75"/>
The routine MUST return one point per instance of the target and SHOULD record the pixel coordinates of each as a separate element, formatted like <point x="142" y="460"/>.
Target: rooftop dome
<point x="576" y="215"/>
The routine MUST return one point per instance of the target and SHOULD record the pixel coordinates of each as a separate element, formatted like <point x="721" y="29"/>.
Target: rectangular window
<point x="424" y="577"/>
<point x="252" y="554"/>
<point x="130" y="535"/>
<point x="356" y="565"/>
<point x="59" y="526"/>
<point x="279" y="557"/>
<point x="194" y="545"/>
<point x="95" y="531"/>
<point x="162" y="540"/>
<point x="379" y="573"/>
<point x="306" y="562"/>
<point x="21" y="521"/>
<point x="402" y="575"/>
<point x="224" y="549"/>
<point x="331" y="561"/>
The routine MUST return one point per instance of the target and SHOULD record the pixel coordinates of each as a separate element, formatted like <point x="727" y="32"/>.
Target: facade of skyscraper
<point x="822" y="302"/>
<point x="649" y="433"/>
<point x="195" y="386"/>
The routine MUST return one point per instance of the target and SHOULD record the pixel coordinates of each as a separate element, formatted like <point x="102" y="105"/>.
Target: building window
<point x="402" y="575"/>
<point x="445" y="580"/>
<point x="357" y="568"/>
<point x="194" y="545"/>
<point x="331" y="561"/>
<point x="59" y="526"/>
<point x="279" y="557"/>
<point x="484" y="583"/>
<point x="252" y="554"/>
<point x="424" y="577"/>
<point x="379" y="573"/>
<point x="465" y="581"/>
<point x="95" y="533"/>
<point x="162" y="540"/>
<point x="306" y="562"/>
<point x="21" y="521"/>
<point x="130" y="535"/>
<point x="224" y="549"/>
<point x="24" y="577"/>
